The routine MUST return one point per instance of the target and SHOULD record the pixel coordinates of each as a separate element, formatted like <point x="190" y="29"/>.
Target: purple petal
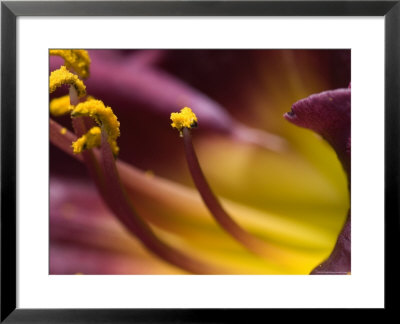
<point x="339" y="261"/>
<point x="328" y="114"/>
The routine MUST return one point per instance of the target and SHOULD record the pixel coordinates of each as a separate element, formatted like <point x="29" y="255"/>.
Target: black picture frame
<point x="10" y="10"/>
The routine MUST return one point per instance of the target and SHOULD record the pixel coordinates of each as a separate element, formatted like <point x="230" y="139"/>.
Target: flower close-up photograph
<point x="199" y="161"/>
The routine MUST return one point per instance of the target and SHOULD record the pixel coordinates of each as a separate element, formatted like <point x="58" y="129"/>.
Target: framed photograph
<point x="197" y="161"/>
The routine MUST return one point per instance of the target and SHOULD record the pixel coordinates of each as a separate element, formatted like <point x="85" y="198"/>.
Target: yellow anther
<point x="104" y="117"/>
<point x="63" y="131"/>
<point x="114" y="146"/>
<point x="185" y="118"/>
<point x="87" y="141"/>
<point x="75" y="59"/>
<point x="63" y="76"/>
<point x="60" y="106"/>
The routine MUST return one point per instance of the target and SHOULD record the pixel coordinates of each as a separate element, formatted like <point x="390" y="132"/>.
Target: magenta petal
<point x="327" y="113"/>
<point x="339" y="261"/>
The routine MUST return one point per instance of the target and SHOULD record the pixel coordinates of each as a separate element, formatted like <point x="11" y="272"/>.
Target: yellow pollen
<point x="104" y="117"/>
<point x="114" y="146"/>
<point x="63" y="76"/>
<point x="60" y="106"/>
<point x="75" y="59"/>
<point x="185" y="118"/>
<point x="87" y="141"/>
<point x="63" y="131"/>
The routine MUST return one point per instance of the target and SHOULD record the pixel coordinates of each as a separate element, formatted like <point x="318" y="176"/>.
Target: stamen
<point x="75" y="59"/>
<point x="112" y="191"/>
<point x="104" y="117"/>
<point x="62" y="141"/>
<point x="123" y="209"/>
<point x="184" y="119"/>
<point x="88" y="141"/>
<point x="60" y="106"/>
<point x="105" y="175"/>
<point x="107" y="180"/>
<point x="211" y="201"/>
<point x="63" y="76"/>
